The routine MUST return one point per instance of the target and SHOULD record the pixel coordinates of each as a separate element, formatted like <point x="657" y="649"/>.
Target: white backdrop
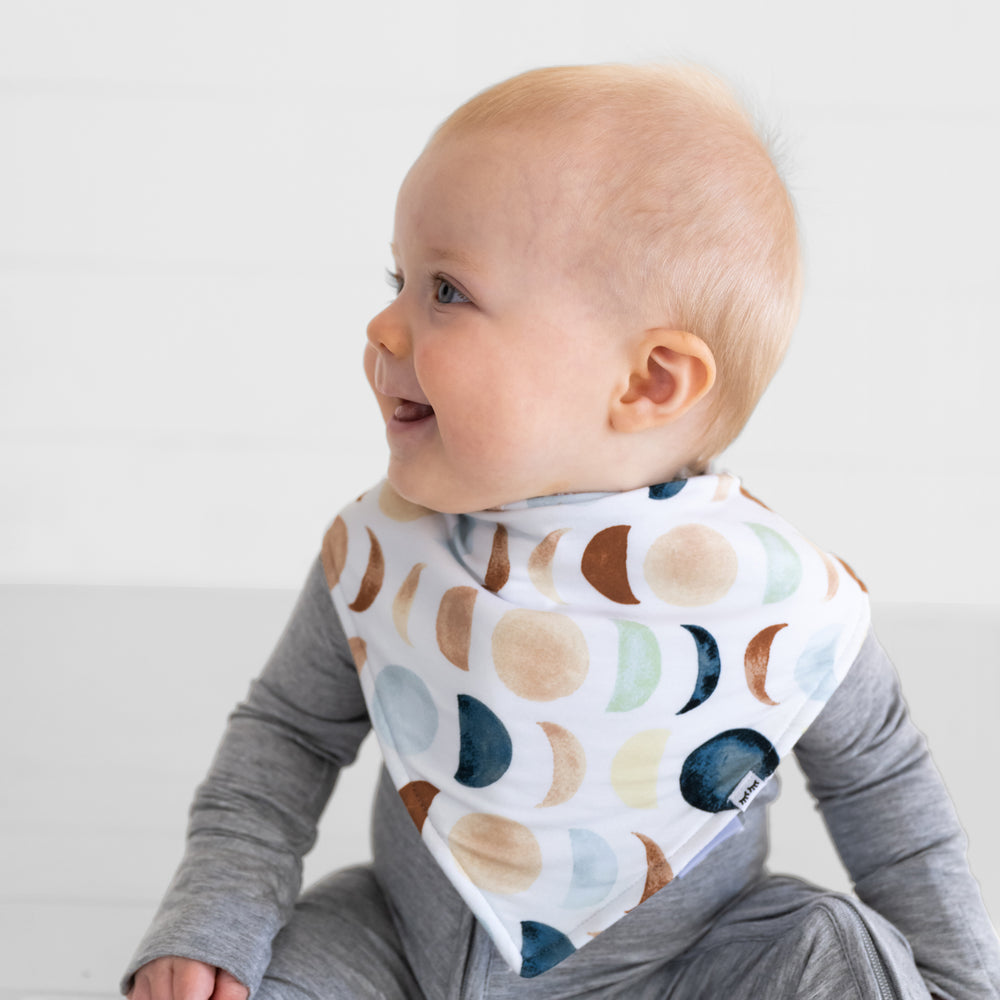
<point x="195" y="206"/>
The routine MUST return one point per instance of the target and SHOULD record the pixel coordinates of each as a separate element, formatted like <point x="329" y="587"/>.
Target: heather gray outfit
<point x="727" y="928"/>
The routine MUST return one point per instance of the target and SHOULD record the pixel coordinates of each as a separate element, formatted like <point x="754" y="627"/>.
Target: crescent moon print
<point x="499" y="565"/>
<point x="359" y="650"/>
<point x="664" y="491"/>
<point x="569" y="764"/>
<point x="454" y="625"/>
<point x="403" y="602"/>
<point x="755" y="661"/>
<point x="784" y="568"/>
<point x="333" y="555"/>
<point x="832" y="576"/>
<point x="723" y="487"/>
<point x="603" y="564"/>
<point x="750" y="496"/>
<point x="854" y="576"/>
<point x="658" y="870"/>
<point x="485" y="749"/>
<point x="371" y="582"/>
<point x="542" y="947"/>
<point x="417" y="796"/>
<point x="635" y="768"/>
<point x="638" y="667"/>
<point x="540" y="565"/>
<point x="595" y="869"/>
<point x="709" y="666"/>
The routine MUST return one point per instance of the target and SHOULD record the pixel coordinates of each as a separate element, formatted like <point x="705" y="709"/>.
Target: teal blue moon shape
<point x="542" y="947"/>
<point x="711" y="772"/>
<point x="709" y="666"/>
<point x="638" y="667"/>
<point x="784" y="567"/>
<point x="403" y="712"/>
<point x="485" y="748"/>
<point x="664" y="491"/>
<point x="595" y="869"/>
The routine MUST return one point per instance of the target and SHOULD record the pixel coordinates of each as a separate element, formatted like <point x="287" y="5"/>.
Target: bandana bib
<point x="576" y="696"/>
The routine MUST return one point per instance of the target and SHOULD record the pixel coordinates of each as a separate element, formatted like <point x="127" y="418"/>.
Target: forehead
<point x="512" y="188"/>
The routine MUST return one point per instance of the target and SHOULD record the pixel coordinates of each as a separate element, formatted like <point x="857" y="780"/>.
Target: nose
<point x="388" y="331"/>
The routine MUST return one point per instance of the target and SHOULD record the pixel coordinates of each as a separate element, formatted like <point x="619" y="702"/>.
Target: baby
<point x="583" y="653"/>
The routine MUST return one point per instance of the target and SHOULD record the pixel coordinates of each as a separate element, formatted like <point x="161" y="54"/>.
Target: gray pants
<point x="781" y="939"/>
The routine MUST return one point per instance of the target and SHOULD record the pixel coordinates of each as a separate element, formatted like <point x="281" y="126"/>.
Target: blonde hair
<point x="695" y="223"/>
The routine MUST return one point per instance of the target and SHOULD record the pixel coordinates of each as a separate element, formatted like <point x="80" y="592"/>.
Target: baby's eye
<point x="395" y="280"/>
<point x="447" y="294"/>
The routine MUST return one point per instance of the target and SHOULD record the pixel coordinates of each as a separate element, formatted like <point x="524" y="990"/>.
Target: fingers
<point x="228" y="987"/>
<point x="171" y="978"/>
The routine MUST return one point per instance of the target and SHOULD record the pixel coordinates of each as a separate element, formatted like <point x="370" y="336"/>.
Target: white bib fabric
<point x="575" y="696"/>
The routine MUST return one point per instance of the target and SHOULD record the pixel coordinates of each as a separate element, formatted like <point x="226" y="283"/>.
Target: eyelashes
<point x="394" y="280"/>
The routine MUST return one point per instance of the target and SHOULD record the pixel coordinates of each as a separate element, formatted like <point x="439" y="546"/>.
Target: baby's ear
<point x="672" y="370"/>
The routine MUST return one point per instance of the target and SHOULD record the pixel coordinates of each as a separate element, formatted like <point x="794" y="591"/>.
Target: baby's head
<point x="598" y="275"/>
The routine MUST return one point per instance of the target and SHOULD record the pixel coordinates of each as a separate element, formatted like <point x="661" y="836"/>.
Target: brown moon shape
<point x="498" y="854"/>
<point x="359" y="650"/>
<point x="454" y="625"/>
<point x="690" y="566"/>
<point x="658" y="870"/>
<point x="371" y="582"/>
<point x="396" y="508"/>
<point x="569" y="764"/>
<point x="723" y="486"/>
<point x="417" y="796"/>
<point x="333" y="555"/>
<point x="499" y="566"/>
<point x="750" y="496"/>
<point x="756" y="659"/>
<point x="603" y="564"/>
<point x="540" y="655"/>
<point x="832" y="576"/>
<point x="540" y="565"/>
<point x="854" y="576"/>
<point x="403" y="602"/>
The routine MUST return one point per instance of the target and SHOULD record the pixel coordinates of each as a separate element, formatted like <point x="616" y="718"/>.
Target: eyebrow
<point x="438" y="253"/>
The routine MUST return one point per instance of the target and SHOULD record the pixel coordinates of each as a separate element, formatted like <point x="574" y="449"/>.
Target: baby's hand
<point x="173" y="978"/>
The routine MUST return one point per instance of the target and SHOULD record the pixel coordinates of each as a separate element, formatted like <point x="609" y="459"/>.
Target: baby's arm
<point x="255" y="814"/>
<point x="896" y="830"/>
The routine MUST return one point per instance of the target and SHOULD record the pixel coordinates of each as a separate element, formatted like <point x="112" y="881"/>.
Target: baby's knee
<point x="845" y="949"/>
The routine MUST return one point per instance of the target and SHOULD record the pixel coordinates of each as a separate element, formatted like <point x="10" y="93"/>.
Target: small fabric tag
<point x="746" y="791"/>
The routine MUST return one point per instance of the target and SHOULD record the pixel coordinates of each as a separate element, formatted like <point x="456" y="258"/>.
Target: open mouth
<point x="408" y="412"/>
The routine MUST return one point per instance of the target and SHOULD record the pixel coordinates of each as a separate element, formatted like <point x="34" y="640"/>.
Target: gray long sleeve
<point x="896" y="830"/>
<point x="255" y="814"/>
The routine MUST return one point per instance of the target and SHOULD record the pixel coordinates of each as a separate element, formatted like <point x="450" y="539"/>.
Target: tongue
<point x="408" y="412"/>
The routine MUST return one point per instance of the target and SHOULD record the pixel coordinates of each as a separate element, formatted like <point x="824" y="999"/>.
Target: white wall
<point x="195" y="202"/>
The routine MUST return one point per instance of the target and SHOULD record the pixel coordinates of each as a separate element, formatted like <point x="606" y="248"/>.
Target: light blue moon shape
<point x="595" y="869"/>
<point x="784" y="568"/>
<point x="709" y="666"/>
<point x="403" y="712"/>
<point x="638" y="667"/>
<point x="542" y="947"/>
<point x="485" y="748"/>
<point x="814" y="672"/>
